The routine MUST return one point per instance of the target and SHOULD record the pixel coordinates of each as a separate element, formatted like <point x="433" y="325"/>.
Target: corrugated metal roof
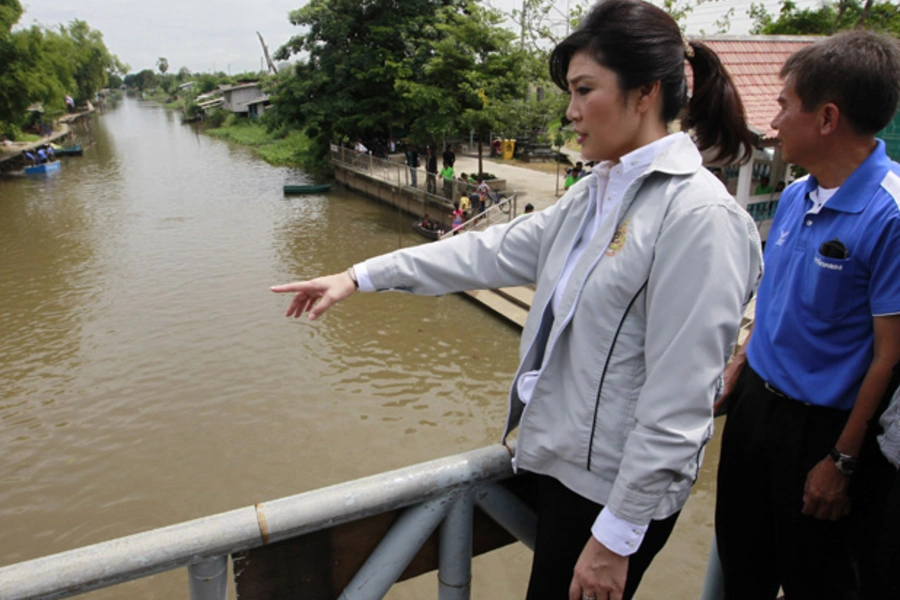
<point x="754" y="63"/>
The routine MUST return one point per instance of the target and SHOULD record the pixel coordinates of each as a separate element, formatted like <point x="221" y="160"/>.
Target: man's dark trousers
<point x="769" y="445"/>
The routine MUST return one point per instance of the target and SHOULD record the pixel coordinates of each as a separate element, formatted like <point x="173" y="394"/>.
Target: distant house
<point x="258" y="106"/>
<point x="237" y="98"/>
<point x="754" y="63"/>
<point x="187" y="85"/>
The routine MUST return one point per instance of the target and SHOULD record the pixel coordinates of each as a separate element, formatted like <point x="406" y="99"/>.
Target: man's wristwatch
<point x="845" y="463"/>
<point x="352" y="273"/>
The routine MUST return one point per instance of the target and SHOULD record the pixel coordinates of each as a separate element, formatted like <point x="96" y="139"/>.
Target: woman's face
<point x="606" y="120"/>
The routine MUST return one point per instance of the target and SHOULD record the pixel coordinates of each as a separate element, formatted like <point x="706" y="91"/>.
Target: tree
<point x="43" y="65"/>
<point x="353" y="53"/>
<point x="827" y="19"/>
<point x="162" y="63"/>
<point x="473" y="75"/>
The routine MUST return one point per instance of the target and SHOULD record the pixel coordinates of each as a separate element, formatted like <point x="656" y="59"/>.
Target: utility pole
<point x="272" y="66"/>
<point x="524" y="15"/>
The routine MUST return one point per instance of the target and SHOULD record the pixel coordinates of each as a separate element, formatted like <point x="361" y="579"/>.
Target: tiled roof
<point x="754" y="63"/>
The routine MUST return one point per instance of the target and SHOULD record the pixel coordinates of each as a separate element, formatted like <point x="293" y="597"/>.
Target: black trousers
<point x="888" y="548"/>
<point x="769" y="445"/>
<point x="563" y="528"/>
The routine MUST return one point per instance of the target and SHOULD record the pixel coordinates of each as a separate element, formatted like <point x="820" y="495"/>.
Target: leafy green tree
<point x="144" y="80"/>
<point x="473" y="75"/>
<point x="352" y="54"/>
<point x="828" y="18"/>
<point x="34" y="70"/>
<point x="162" y="63"/>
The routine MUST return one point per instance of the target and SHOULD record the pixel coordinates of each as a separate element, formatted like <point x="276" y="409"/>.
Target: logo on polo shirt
<point x="782" y="237"/>
<point x="826" y="265"/>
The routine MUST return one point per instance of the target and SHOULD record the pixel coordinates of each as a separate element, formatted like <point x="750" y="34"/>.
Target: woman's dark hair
<point x="642" y="44"/>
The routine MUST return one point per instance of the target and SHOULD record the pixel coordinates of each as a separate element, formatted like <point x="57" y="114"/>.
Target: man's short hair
<point x="857" y="70"/>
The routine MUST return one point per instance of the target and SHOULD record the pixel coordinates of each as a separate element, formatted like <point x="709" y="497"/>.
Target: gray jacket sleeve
<point x="889" y="441"/>
<point x="503" y="255"/>
<point x="707" y="263"/>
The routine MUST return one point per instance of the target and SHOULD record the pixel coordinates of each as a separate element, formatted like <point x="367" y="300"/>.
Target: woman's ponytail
<point x="715" y="111"/>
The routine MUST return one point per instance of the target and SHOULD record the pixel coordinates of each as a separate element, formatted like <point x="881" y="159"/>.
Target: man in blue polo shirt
<point x="826" y="335"/>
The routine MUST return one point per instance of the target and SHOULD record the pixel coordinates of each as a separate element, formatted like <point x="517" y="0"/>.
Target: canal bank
<point x="12" y="155"/>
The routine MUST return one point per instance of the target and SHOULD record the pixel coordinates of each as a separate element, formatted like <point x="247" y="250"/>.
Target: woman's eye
<point x="581" y="91"/>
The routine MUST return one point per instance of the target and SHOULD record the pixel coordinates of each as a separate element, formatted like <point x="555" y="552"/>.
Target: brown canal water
<point x="148" y="377"/>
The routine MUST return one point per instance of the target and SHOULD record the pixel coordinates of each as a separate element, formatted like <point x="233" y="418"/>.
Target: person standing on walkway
<point x="412" y="161"/>
<point x="642" y="271"/>
<point x="447" y="176"/>
<point x="431" y="168"/>
<point x="826" y="335"/>
<point x="449" y="156"/>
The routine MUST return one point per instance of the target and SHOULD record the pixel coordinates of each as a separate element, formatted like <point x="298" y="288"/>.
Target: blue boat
<point x="43" y="168"/>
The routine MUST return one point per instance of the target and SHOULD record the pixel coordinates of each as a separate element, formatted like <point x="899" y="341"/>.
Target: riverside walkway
<point x="539" y="188"/>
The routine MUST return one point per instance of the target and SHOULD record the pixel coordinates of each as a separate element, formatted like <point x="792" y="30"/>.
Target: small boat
<point x="431" y="231"/>
<point x="307" y="189"/>
<point x="42" y="168"/>
<point x="75" y="150"/>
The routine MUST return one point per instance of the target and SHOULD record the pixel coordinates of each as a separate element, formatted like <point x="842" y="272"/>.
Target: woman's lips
<point x="581" y="137"/>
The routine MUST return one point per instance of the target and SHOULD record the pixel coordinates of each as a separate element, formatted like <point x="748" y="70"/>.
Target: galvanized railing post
<point x="509" y="511"/>
<point x="714" y="580"/>
<point x="399" y="546"/>
<point x="455" y="553"/>
<point x="208" y="579"/>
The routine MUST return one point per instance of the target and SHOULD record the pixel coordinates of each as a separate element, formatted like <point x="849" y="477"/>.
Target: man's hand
<point x="729" y="377"/>
<point x="825" y="494"/>
<point x="316" y="295"/>
<point x="599" y="573"/>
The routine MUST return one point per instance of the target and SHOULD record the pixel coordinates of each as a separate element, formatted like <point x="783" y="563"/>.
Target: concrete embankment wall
<point x="413" y="201"/>
<point x="512" y="305"/>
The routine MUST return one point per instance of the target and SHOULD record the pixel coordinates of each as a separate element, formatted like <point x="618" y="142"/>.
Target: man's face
<point x="797" y="129"/>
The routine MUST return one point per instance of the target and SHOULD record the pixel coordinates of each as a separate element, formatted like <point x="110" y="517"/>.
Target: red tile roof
<point x="754" y="63"/>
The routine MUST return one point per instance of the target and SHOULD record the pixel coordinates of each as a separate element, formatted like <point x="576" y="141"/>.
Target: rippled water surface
<point x="149" y="377"/>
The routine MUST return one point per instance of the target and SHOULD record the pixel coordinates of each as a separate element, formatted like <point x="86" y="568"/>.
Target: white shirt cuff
<point x="620" y="536"/>
<point x="363" y="280"/>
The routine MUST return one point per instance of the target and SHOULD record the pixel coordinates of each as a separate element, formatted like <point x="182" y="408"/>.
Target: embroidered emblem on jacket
<point x="619" y="239"/>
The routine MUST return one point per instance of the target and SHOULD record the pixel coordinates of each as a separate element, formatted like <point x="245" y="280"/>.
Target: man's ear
<point x="829" y="118"/>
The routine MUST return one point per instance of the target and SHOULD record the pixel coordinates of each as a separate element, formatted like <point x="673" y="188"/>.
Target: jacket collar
<point x="856" y="191"/>
<point x="680" y="158"/>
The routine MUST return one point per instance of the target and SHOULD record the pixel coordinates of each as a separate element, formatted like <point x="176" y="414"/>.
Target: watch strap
<point x="845" y="463"/>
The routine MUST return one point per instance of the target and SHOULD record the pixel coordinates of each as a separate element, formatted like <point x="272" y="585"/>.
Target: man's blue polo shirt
<point x="813" y="336"/>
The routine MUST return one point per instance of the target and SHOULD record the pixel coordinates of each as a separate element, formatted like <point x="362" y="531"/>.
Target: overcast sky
<point x="206" y="35"/>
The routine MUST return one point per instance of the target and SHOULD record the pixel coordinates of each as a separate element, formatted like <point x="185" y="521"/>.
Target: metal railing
<point x="501" y="210"/>
<point x="434" y="189"/>
<point x="441" y="493"/>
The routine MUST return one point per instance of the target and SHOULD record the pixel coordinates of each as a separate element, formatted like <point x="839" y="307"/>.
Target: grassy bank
<point x="293" y="149"/>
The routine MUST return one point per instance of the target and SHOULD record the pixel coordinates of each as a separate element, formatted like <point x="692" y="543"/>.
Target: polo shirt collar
<point x="855" y="193"/>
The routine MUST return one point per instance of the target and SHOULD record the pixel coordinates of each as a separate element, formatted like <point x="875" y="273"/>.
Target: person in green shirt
<point x="764" y="187"/>
<point x="447" y="174"/>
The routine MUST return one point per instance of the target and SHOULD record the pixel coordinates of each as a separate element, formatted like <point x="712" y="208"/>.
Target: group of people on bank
<point x="642" y="272"/>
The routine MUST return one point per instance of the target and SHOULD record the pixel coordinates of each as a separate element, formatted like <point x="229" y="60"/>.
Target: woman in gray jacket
<point x="642" y="271"/>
